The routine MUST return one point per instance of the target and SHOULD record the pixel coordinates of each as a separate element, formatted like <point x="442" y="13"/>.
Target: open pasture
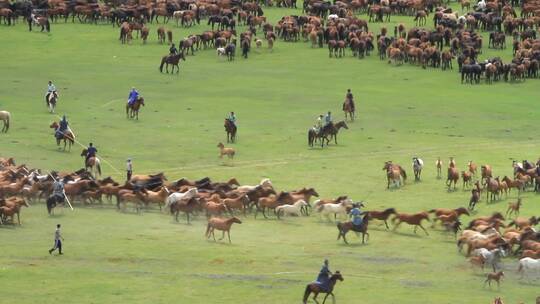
<point x="403" y="111"/>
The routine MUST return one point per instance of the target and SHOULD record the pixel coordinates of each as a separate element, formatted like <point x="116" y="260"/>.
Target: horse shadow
<point x="413" y="235"/>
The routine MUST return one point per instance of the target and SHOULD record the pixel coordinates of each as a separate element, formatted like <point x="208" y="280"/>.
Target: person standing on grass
<point x="58" y="239"/>
<point x="129" y="169"/>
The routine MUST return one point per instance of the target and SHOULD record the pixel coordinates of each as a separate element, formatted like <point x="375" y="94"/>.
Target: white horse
<point x="294" y="209"/>
<point x="529" y="266"/>
<point x="181" y="196"/>
<point x="52" y="98"/>
<point x="491" y="257"/>
<point x="265" y="183"/>
<point x="418" y="164"/>
<point x="335" y="209"/>
<point x="5" y="116"/>
<point x="333" y="17"/>
<point x="221" y="52"/>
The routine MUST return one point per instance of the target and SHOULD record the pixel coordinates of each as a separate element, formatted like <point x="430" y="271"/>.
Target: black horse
<point x="230" y="51"/>
<point x="246" y="45"/>
<point x="53" y="201"/>
<point x="214" y="19"/>
<point x="172" y="60"/>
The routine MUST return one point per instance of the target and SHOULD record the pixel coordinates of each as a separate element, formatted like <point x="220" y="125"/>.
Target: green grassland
<point x="404" y="111"/>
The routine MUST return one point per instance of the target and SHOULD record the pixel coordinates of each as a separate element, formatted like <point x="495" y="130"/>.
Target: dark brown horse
<point x="188" y="208"/>
<point x="230" y="128"/>
<point x="411" y="219"/>
<point x="315" y="288"/>
<point x="67" y="136"/>
<point x="348" y="108"/>
<point x="172" y="60"/>
<point x="132" y="110"/>
<point x="343" y="228"/>
<point x="452" y="177"/>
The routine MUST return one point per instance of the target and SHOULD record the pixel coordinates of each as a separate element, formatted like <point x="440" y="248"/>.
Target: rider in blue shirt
<point x="355" y="215"/>
<point x="90" y="152"/>
<point x="63" y="126"/>
<point x="328" y="118"/>
<point x="324" y="276"/>
<point x="232" y="118"/>
<point x="133" y="95"/>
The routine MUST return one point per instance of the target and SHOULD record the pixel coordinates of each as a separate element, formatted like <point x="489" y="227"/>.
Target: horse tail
<point x="47" y="25"/>
<point x="207" y="233"/>
<point x="432" y="211"/>
<point x="162" y="64"/>
<point x="7" y="121"/>
<point x="98" y="165"/>
<point x="306" y="293"/>
<point x="49" y="205"/>
<point x="403" y="173"/>
<point x="520" y="268"/>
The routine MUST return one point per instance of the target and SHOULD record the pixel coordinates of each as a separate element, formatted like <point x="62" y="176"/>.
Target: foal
<point x="494" y="276"/>
<point x="514" y="208"/>
<point x="225" y="151"/>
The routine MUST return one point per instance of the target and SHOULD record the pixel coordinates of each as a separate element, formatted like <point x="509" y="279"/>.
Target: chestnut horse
<point x="67" y="136"/>
<point x="348" y="108"/>
<point x="411" y="219"/>
<point x="394" y="173"/>
<point x="221" y="224"/>
<point x="315" y="288"/>
<point x="382" y="215"/>
<point x="343" y="228"/>
<point x="132" y="110"/>
<point x="452" y="177"/>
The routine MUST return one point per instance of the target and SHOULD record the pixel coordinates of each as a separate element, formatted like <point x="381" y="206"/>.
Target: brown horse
<point x="452" y="177"/>
<point x="514" y="208"/>
<point x="230" y="129"/>
<point x="348" y="108"/>
<point x="467" y="178"/>
<point x="315" y="288"/>
<point x="411" y="219"/>
<point x="221" y="224"/>
<point x="172" y="60"/>
<point x="334" y="131"/>
<point x="394" y="173"/>
<point x="188" y="208"/>
<point x="132" y="110"/>
<point x="485" y="170"/>
<point x="67" y="136"/>
<point x="494" y="276"/>
<point x="492" y="187"/>
<point x="382" y="215"/>
<point x="343" y="228"/>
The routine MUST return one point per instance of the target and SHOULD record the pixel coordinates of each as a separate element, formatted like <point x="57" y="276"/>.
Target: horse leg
<point x="423" y="229"/>
<point x="222" y="235"/>
<point x="229" y="236"/>
<point x="326" y="296"/>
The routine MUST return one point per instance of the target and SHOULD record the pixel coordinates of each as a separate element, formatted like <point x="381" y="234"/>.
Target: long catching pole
<point x="63" y="192"/>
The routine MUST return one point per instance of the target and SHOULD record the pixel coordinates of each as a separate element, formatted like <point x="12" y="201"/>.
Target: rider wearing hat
<point x="173" y="50"/>
<point x="324" y="276"/>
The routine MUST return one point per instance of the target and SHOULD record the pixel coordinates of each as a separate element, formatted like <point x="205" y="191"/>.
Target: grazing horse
<point x="132" y="110"/>
<point x="411" y="219"/>
<point x="67" y="136"/>
<point x="382" y="215"/>
<point x="221" y="224"/>
<point x="418" y="164"/>
<point x="394" y="173"/>
<point x="348" y="108"/>
<point x="230" y="128"/>
<point x="343" y="228"/>
<point x="5" y="117"/>
<point x="93" y="163"/>
<point x="315" y="288"/>
<point x="172" y="60"/>
<point x="52" y="98"/>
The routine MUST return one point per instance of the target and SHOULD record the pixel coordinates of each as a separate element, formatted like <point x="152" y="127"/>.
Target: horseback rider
<point x="323" y="279"/>
<point x="58" y="191"/>
<point x="328" y="119"/>
<point x="173" y="51"/>
<point x="318" y="124"/>
<point x="133" y="96"/>
<point x="355" y="214"/>
<point x="349" y="97"/>
<point x="51" y="89"/>
<point x="63" y="126"/>
<point x="90" y="152"/>
<point x="232" y="118"/>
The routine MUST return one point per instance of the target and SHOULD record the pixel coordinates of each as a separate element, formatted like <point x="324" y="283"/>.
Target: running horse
<point x="172" y="60"/>
<point x="51" y="99"/>
<point x="348" y="108"/>
<point x="230" y="128"/>
<point x="315" y="288"/>
<point x="132" y="110"/>
<point x="93" y="163"/>
<point x="394" y="173"/>
<point x="67" y="136"/>
<point x="343" y="228"/>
